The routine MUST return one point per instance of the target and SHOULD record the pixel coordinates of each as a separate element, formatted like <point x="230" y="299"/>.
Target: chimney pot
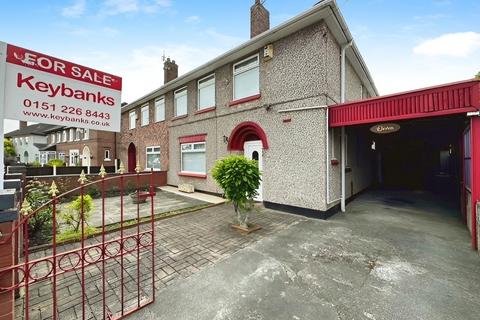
<point x="22" y="124"/>
<point x="170" y="70"/>
<point x="259" y="19"/>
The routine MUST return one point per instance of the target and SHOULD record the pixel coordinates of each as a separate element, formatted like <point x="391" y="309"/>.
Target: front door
<point x="86" y="157"/>
<point x="253" y="151"/>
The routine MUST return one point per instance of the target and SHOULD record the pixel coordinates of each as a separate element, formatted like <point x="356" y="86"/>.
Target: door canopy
<point x="246" y="131"/>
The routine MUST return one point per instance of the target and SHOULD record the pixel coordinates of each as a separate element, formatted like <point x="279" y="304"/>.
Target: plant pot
<point x="138" y="199"/>
<point x="251" y="228"/>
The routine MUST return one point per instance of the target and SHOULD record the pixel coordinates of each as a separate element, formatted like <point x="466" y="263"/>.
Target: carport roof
<point x="451" y="98"/>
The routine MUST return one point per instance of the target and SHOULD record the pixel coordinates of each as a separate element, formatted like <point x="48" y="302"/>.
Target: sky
<point x="406" y="44"/>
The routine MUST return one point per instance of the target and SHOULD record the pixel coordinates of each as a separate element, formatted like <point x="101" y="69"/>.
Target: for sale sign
<point x="40" y="88"/>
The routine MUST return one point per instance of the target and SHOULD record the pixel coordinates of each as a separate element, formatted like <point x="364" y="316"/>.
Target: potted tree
<point x="239" y="178"/>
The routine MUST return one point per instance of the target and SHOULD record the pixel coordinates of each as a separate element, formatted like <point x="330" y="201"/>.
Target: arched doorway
<point x="86" y="156"/>
<point x="25" y="157"/>
<point x="132" y="157"/>
<point x="250" y="138"/>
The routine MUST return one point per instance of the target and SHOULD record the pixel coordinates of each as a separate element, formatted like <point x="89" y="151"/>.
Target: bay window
<point x="180" y="102"/>
<point x="193" y="158"/>
<point x="246" y="78"/>
<point x="206" y="92"/>
<point x="159" y="109"/>
<point x="145" y="115"/>
<point x="153" y="158"/>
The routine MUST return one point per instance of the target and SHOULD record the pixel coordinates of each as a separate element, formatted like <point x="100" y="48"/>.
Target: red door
<point x="132" y="157"/>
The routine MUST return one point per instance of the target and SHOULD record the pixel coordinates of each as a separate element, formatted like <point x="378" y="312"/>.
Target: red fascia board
<point x="193" y="138"/>
<point x="244" y="100"/>
<point x="402" y="117"/>
<point x="193" y="175"/>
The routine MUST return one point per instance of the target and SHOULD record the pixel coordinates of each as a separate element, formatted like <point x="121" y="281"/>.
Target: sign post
<point x="3" y="58"/>
<point x="36" y="87"/>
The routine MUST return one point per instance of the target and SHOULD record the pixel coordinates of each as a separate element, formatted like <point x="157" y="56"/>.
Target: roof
<point x="445" y="99"/>
<point x="326" y="10"/>
<point x="39" y="129"/>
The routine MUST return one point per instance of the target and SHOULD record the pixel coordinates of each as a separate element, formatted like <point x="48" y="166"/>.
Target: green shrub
<point x="35" y="164"/>
<point x="56" y="163"/>
<point x="40" y="224"/>
<point x="8" y="148"/>
<point x="72" y="215"/>
<point x="239" y="178"/>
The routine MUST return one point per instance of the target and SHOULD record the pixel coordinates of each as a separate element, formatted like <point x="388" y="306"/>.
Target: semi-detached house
<point x="266" y="99"/>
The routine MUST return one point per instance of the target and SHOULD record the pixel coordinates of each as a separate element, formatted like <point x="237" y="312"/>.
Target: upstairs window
<point x="71" y="134"/>
<point x="78" y="134"/>
<point x="52" y="138"/>
<point x="132" y="118"/>
<point x="206" y="92"/>
<point x="145" y="115"/>
<point x="64" y="137"/>
<point x="86" y="134"/>
<point x="180" y="99"/>
<point x="246" y="78"/>
<point x="159" y="109"/>
<point x="59" y="136"/>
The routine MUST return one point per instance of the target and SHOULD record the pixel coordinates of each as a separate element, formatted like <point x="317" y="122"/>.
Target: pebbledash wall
<point x="303" y="73"/>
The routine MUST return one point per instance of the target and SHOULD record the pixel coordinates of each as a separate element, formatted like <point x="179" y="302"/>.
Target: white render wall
<point x="29" y="147"/>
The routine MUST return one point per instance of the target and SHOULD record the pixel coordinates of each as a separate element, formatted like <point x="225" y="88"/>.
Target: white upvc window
<point x="26" y="140"/>
<point x="180" y="102"/>
<point x="160" y="109"/>
<point x="206" y="92"/>
<point x="61" y="156"/>
<point x="132" y="117"/>
<point x="78" y="134"/>
<point x="145" y="112"/>
<point x="153" y="158"/>
<point x="59" y="136"/>
<point x="65" y="134"/>
<point x="246" y="78"/>
<point x="52" y="138"/>
<point x="106" y="155"/>
<point x="71" y="134"/>
<point x="86" y="134"/>
<point x="193" y="157"/>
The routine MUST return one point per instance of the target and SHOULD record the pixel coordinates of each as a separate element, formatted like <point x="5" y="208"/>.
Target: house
<point x="82" y="147"/>
<point x="266" y="99"/>
<point x="29" y="141"/>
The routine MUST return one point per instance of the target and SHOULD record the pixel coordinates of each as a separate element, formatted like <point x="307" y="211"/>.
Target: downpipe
<point x="342" y="100"/>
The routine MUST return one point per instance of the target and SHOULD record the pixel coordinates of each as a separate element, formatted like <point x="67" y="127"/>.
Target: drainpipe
<point x="342" y="100"/>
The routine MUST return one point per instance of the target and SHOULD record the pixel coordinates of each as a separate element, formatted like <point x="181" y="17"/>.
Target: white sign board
<point x="40" y="88"/>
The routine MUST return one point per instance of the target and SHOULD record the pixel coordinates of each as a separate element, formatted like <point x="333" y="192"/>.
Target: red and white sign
<point x="40" y="88"/>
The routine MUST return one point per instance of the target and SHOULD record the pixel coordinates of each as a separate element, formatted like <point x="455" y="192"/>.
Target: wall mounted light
<point x="225" y="139"/>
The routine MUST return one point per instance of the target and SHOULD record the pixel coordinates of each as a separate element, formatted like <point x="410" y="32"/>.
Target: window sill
<point x="243" y="100"/>
<point x="154" y="170"/>
<point x="160" y="121"/>
<point x="193" y="175"/>
<point x="107" y="159"/>
<point x="179" y="117"/>
<point x="205" y="110"/>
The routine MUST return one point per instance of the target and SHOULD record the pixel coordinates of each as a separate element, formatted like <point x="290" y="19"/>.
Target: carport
<point x="426" y="139"/>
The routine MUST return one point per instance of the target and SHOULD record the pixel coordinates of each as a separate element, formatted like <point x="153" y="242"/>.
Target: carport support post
<point x="475" y="174"/>
<point x="3" y="63"/>
<point x="343" y="154"/>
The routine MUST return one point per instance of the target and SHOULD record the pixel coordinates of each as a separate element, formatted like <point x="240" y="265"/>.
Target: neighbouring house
<point x="266" y="99"/>
<point x="29" y="141"/>
<point x="81" y="147"/>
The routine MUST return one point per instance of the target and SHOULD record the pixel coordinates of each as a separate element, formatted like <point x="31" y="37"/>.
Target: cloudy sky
<point x="406" y="43"/>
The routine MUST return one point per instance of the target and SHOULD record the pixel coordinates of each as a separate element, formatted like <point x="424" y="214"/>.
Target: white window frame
<point x="145" y="110"/>
<point x="245" y="69"/>
<point x="59" y="136"/>
<point x="199" y="86"/>
<point x="71" y="134"/>
<point x="204" y="150"/>
<point x="151" y="151"/>
<point x="157" y="106"/>
<point x="132" y="115"/>
<point x="179" y="93"/>
<point x="106" y="155"/>
<point x="61" y="156"/>
<point x="78" y="134"/>
<point x="86" y="134"/>
<point x="52" y="138"/>
<point x="64" y="136"/>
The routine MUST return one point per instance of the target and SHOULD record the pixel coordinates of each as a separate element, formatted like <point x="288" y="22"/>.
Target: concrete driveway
<point x="394" y="255"/>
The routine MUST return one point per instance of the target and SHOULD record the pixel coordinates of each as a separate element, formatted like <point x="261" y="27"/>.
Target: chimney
<point x="170" y="70"/>
<point x="259" y="19"/>
<point x="22" y="124"/>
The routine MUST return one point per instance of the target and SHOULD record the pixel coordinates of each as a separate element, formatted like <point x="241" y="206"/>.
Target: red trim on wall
<point x="193" y="175"/>
<point x="205" y="110"/>
<point x="475" y="174"/>
<point x="242" y="131"/>
<point x="193" y="138"/>
<point x="243" y="100"/>
<point x="179" y="117"/>
<point x="453" y="98"/>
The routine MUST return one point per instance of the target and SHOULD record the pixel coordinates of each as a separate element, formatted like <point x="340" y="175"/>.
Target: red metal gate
<point x="103" y="272"/>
